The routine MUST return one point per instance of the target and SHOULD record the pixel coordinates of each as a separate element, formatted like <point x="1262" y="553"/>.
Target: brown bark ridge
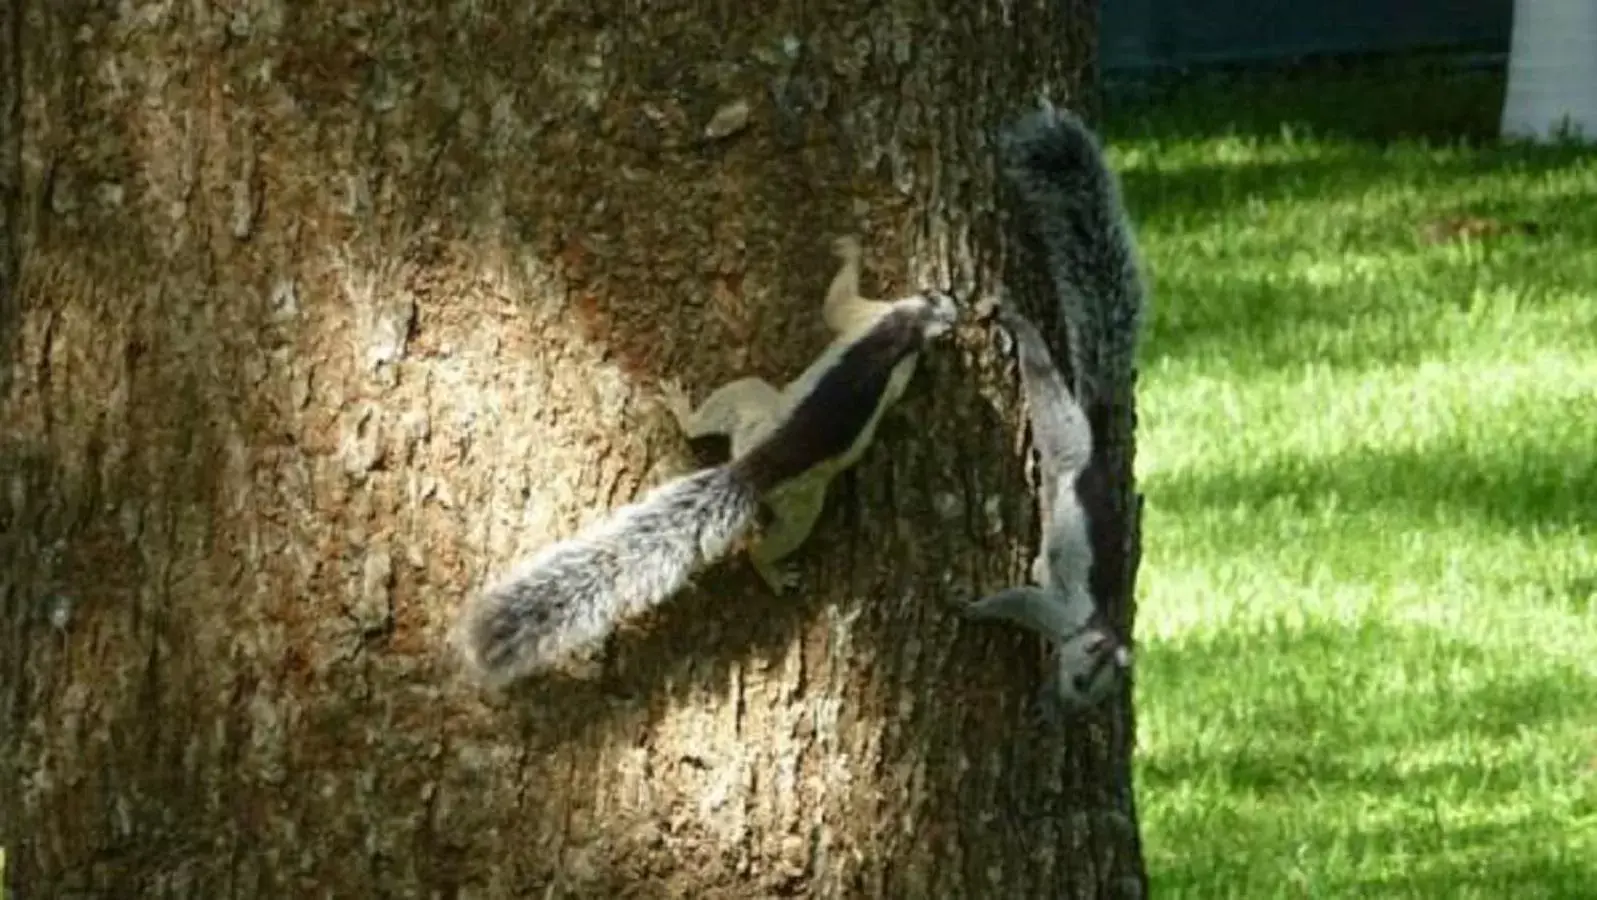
<point x="317" y="316"/>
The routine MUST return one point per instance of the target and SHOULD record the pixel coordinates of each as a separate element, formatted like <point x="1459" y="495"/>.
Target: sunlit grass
<point x="1368" y="609"/>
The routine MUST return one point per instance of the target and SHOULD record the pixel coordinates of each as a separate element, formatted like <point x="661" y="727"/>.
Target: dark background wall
<point x="1151" y="34"/>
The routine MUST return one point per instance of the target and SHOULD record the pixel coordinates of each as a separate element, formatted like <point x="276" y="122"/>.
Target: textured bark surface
<point x="315" y="316"/>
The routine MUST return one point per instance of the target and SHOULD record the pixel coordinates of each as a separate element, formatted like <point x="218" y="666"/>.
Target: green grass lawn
<point x="1368" y="620"/>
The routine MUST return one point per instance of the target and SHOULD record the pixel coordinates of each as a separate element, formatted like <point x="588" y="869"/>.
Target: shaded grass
<point x="1367" y="624"/>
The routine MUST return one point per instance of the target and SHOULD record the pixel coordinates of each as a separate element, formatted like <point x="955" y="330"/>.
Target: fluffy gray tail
<point x="1076" y="215"/>
<point x="571" y="595"/>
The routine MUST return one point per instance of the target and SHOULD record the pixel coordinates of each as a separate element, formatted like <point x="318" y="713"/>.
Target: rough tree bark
<point x="315" y="316"/>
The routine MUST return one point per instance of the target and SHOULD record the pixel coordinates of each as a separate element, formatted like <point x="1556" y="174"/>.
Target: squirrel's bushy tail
<point x="1077" y="217"/>
<point x="572" y="594"/>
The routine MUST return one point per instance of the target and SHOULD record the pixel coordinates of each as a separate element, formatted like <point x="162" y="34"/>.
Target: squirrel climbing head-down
<point x="1071" y="211"/>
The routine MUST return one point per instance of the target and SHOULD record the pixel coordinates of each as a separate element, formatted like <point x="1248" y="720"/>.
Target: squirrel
<point x="787" y="446"/>
<point x="746" y="410"/>
<point x="1076" y="216"/>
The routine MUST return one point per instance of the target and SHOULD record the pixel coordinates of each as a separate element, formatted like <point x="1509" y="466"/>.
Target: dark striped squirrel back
<point x="828" y="421"/>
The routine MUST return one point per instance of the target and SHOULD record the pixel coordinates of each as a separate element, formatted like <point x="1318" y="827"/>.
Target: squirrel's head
<point x="1092" y="663"/>
<point x="939" y="312"/>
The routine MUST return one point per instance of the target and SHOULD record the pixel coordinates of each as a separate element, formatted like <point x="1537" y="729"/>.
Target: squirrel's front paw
<point x="676" y="400"/>
<point x="972" y="610"/>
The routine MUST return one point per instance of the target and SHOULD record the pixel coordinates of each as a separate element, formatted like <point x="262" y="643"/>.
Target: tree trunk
<point x="316" y="316"/>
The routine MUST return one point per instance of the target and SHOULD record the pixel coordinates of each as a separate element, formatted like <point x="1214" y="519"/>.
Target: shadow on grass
<point x="1324" y="752"/>
<point x="1199" y="193"/>
<point x="1416" y="101"/>
<point x="1361" y="758"/>
<point x="1234" y="281"/>
<point x="1345" y="177"/>
<point x="1527" y="485"/>
<point x="1343" y="722"/>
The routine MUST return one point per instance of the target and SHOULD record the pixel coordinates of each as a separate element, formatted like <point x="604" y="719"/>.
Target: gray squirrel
<point x="1076" y="218"/>
<point x="787" y="446"/>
